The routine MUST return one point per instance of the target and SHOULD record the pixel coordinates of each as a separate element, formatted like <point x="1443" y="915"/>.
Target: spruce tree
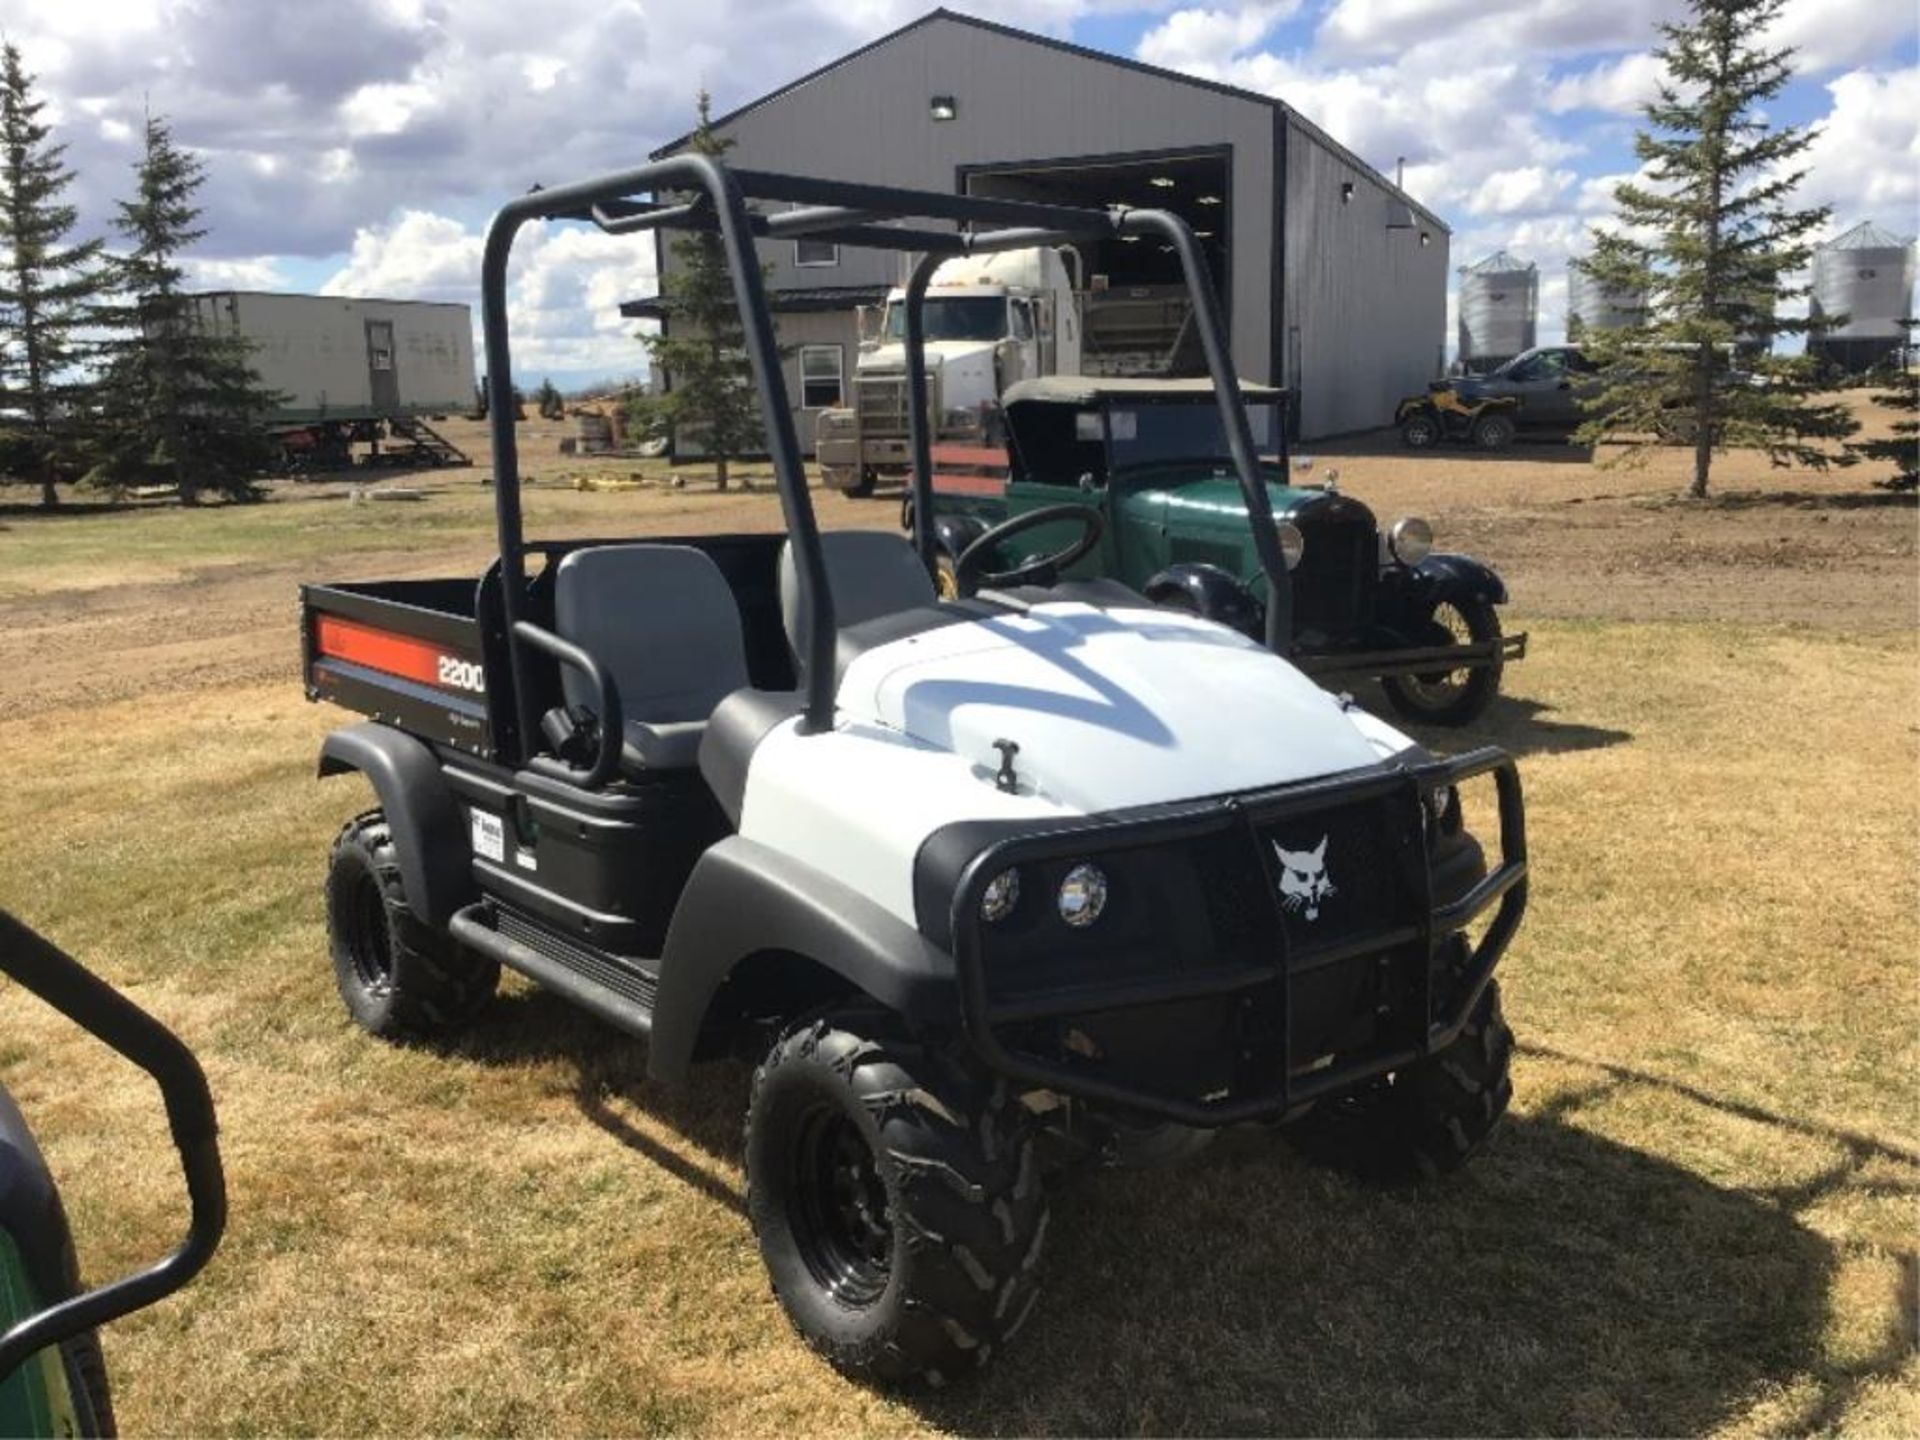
<point x="1714" y="243"/>
<point x="47" y="286"/>
<point x="1901" y="447"/>
<point x="710" y="399"/>
<point x="181" y="405"/>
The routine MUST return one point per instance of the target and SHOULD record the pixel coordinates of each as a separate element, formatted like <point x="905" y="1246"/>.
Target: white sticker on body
<point x="489" y="836"/>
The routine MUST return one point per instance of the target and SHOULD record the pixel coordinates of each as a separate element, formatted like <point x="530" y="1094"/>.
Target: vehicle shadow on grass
<point x="1385" y="443"/>
<point x="1518" y="725"/>
<point x="1563" y="1284"/>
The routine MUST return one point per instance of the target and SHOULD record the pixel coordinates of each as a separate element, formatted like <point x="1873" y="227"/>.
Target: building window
<point x="815" y="252"/>
<point x="820" y="377"/>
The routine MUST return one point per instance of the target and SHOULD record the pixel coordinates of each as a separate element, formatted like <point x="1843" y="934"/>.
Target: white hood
<point x="963" y="368"/>
<point x="1109" y="709"/>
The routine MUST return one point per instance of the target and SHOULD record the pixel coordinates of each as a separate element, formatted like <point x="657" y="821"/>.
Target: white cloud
<point x="1865" y="162"/>
<point x="261" y="273"/>
<point x="1525" y="190"/>
<point x="1188" y="38"/>
<point x="1619" y="87"/>
<point x="564" y="287"/>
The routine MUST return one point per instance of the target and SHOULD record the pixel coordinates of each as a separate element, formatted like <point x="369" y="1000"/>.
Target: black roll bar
<point x="698" y="193"/>
<point x="100" y="1010"/>
<point x="1226" y="384"/>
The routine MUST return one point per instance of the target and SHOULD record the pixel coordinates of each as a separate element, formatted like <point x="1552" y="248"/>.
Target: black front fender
<point x="1216" y="593"/>
<point x="745" y="900"/>
<point x="429" y="840"/>
<point x="1407" y="594"/>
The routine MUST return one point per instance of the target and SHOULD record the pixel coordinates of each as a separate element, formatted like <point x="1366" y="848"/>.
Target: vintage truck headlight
<point x="1410" y="540"/>
<point x="1083" y="895"/>
<point x="1292" y="543"/>
<point x="1000" y="896"/>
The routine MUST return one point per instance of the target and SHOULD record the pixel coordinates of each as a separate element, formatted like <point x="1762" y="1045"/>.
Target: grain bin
<point x="1862" y="289"/>
<point x="1592" y="305"/>
<point x="1499" y="304"/>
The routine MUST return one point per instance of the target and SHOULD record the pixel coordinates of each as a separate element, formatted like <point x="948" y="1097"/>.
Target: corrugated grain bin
<point x="1593" y="306"/>
<point x="1862" y="289"/>
<point x="1499" y="307"/>
<point x="337" y="358"/>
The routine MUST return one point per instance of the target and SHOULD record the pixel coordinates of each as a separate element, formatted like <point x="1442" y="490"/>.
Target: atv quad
<point x="53" y="1379"/>
<point x="1447" y="414"/>
<point x="960" y="875"/>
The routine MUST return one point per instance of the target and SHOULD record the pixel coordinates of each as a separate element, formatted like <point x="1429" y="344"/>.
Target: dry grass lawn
<point x="1701" y="1217"/>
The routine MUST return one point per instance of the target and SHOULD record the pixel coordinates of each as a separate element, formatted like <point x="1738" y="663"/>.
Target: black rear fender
<point x="429" y="838"/>
<point x="758" y="933"/>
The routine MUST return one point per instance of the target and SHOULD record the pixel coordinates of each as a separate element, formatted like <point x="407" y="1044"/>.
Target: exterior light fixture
<point x="943" y="107"/>
<point x="1426" y="238"/>
<point x="1161" y="182"/>
<point x="1346" y="191"/>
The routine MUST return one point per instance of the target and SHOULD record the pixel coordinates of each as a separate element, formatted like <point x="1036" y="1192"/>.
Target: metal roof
<point x="1500" y="262"/>
<point x="1868" y="236"/>
<point x="1089" y="389"/>
<point x="1085" y="53"/>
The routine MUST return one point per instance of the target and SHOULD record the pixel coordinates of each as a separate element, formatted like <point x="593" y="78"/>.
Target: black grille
<point x="1345" y="872"/>
<point x="1333" y="587"/>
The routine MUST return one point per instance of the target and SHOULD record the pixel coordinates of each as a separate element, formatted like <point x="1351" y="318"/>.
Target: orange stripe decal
<point x="381" y="650"/>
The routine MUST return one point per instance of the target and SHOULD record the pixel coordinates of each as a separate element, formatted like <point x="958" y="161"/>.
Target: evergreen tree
<point x="1714" y="244"/>
<point x="181" y="404"/>
<point x="46" y="288"/>
<point x="1900" y="448"/>
<point x="710" y="399"/>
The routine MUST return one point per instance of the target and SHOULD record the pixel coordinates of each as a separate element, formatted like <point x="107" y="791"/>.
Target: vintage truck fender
<point x="1213" y="591"/>
<point x="784" y="937"/>
<point x="429" y="840"/>
<point x="1406" y="593"/>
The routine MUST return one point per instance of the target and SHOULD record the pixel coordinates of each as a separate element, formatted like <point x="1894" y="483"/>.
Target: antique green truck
<point x="1151" y="458"/>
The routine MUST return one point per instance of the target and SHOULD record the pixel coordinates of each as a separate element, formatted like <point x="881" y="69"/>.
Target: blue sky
<point x="358" y="145"/>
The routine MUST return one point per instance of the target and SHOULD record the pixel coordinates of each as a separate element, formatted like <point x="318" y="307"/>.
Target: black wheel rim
<point x="369" y="944"/>
<point x="837" y="1200"/>
<point x="1436" y="689"/>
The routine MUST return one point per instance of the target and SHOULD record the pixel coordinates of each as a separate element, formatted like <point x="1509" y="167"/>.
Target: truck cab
<point x="991" y="321"/>
<point x="1153" y="457"/>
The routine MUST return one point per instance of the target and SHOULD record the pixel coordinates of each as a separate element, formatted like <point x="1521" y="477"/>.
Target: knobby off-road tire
<point x="397" y="976"/>
<point x="1450" y="697"/>
<point x="1494" y="432"/>
<point x="897" y="1199"/>
<point x="1420" y="432"/>
<point x="1425" y="1121"/>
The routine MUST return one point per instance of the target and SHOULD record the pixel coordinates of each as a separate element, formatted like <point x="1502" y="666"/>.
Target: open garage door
<point x="1136" y="318"/>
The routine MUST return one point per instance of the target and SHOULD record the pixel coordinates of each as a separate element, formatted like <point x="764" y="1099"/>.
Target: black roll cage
<point x="647" y="198"/>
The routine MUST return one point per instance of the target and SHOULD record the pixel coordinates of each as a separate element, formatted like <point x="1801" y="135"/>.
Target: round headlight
<point x="1000" y="896"/>
<point x="1292" y="544"/>
<point x="1083" y="895"/>
<point x="1410" y="540"/>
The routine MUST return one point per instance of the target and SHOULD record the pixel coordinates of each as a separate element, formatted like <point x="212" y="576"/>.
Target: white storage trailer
<point x="337" y="358"/>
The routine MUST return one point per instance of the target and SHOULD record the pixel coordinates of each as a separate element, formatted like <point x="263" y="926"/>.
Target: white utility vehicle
<point x="1039" y="869"/>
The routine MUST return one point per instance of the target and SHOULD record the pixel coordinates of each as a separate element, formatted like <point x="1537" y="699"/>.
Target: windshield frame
<point x="893" y="323"/>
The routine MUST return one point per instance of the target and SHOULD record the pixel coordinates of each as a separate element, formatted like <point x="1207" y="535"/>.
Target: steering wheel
<point x="968" y="577"/>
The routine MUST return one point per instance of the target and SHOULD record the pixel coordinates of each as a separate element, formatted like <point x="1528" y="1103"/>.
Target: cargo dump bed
<point x="407" y="652"/>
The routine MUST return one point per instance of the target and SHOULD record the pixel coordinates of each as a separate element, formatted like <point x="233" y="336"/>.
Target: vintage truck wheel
<point x="397" y="976"/>
<point x="1450" y="697"/>
<point x="896" y="1197"/>
<point x="1420" y="432"/>
<point x="1425" y="1121"/>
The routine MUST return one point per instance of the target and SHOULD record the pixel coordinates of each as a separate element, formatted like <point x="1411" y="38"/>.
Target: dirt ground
<point x="1572" y="539"/>
<point x="1699" y="1217"/>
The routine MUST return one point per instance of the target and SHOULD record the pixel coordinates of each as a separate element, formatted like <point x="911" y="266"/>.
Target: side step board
<point x="618" y="990"/>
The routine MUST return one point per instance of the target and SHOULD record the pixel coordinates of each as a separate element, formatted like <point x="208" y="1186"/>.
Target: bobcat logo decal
<point x="1303" y="878"/>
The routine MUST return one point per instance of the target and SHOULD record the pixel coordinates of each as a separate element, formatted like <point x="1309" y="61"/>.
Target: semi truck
<point x="352" y="371"/>
<point x="992" y="321"/>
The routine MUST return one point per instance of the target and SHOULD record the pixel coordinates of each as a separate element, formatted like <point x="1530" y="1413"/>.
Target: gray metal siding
<point x="867" y="120"/>
<point x="1369" y="303"/>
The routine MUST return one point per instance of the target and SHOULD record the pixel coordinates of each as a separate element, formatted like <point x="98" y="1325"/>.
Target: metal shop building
<point x="1334" y="280"/>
